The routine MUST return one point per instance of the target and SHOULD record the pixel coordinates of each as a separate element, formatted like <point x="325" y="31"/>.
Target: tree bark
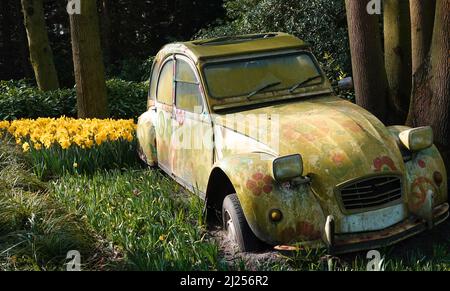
<point x="41" y="55"/>
<point x="422" y="20"/>
<point x="371" y="86"/>
<point x="88" y="63"/>
<point x="440" y="78"/>
<point x="397" y="50"/>
<point x="422" y="23"/>
<point x="106" y="30"/>
<point x="430" y="103"/>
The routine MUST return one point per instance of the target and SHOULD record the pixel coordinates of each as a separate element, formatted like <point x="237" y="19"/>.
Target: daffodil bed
<point x="67" y="145"/>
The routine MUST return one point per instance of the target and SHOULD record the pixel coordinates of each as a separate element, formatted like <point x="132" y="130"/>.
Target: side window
<point x="153" y="81"/>
<point x="188" y="95"/>
<point x="165" y="84"/>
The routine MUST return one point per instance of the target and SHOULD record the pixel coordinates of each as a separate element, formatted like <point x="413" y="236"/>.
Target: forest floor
<point x="139" y="219"/>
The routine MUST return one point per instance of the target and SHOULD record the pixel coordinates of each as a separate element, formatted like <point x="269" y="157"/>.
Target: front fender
<point x="422" y="174"/>
<point x="302" y="217"/>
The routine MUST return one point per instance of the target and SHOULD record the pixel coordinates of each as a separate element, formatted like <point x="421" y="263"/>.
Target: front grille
<point x="370" y="192"/>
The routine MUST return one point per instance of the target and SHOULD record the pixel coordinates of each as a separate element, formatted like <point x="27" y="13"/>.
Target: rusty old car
<point x="252" y="125"/>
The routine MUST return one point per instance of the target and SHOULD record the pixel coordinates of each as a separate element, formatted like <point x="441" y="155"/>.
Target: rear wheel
<point x="236" y="225"/>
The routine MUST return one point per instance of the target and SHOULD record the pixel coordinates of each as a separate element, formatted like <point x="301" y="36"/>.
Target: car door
<point x="164" y="110"/>
<point x="192" y="151"/>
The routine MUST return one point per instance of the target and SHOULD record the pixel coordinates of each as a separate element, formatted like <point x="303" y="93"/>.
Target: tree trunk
<point x="88" y="63"/>
<point x="440" y="79"/>
<point x="24" y="52"/>
<point x="106" y="31"/>
<point x="397" y="50"/>
<point x="430" y="104"/>
<point x="422" y="20"/>
<point x="422" y="23"/>
<point x="371" y="85"/>
<point x="41" y="55"/>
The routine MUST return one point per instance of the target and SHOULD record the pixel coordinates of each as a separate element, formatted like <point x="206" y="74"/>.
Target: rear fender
<point x="146" y="135"/>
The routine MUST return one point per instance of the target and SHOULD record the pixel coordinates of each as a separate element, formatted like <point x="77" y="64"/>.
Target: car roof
<point x="236" y="45"/>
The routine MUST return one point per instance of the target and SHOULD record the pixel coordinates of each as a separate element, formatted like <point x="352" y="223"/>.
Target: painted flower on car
<point x="259" y="184"/>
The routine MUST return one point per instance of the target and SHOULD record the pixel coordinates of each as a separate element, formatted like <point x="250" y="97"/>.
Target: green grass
<point x="155" y="225"/>
<point x="428" y="251"/>
<point x="36" y="231"/>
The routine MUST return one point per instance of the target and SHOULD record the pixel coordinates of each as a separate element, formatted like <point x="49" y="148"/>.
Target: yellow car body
<point x="206" y="127"/>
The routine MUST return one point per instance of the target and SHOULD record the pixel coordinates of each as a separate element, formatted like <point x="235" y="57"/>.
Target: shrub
<point x="322" y="23"/>
<point x="126" y="99"/>
<point x="131" y="69"/>
<point x="19" y="99"/>
<point x="58" y="146"/>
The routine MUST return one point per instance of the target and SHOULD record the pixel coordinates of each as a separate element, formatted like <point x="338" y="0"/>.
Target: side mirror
<point x="345" y="84"/>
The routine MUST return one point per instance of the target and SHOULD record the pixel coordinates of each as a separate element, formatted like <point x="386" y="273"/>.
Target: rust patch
<point x="380" y="162"/>
<point x="422" y="164"/>
<point x="306" y="229"/>
<point x="419" y="189"/>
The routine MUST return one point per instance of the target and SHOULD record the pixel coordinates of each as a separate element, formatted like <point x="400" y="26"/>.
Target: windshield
<point x="253" y="76"/>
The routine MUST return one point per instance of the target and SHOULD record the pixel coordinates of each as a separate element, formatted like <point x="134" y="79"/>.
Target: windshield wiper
<point x="298" y="85"/>
<point x="262" y="88"/>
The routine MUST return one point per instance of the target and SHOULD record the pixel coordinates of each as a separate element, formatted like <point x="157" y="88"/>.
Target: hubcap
<point x="230" y="229"/>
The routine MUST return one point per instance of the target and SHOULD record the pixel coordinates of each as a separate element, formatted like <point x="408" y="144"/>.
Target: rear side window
<point x="154" y="81"/>
<point x="188" y="94"/>
<point x="165" y="84"/>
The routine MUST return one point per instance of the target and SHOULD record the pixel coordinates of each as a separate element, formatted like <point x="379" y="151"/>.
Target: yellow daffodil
<point x="37" y="146"/>
<point x="65" y="132"/>
<point x="26" y="147"/>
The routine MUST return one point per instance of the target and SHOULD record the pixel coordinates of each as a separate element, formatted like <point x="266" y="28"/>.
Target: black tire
<point x="243" y="235"/>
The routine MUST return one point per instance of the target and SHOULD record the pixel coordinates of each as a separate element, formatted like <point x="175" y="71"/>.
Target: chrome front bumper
<point x="353" y="242"/>
<point x="346" y="243"/>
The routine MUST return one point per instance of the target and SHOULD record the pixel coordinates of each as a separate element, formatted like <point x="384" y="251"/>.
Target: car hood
<point x="337" y="139"/>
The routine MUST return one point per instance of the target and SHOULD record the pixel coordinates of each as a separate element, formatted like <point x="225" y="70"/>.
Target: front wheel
<point x="236" y="225"/>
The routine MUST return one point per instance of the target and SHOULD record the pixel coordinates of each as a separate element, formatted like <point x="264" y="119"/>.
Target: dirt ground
<point x="229" y="252"/>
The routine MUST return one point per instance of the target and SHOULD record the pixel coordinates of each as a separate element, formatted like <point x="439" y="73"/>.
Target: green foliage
<point x="130" y="69"/>
<point x="19" y="99"/>
<point x="126" y="99"/>
<point x="134" y="29"/>
<point x="322" y="23"/>
<point x="157" y="226"/>
<point x="55" y="161"/>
